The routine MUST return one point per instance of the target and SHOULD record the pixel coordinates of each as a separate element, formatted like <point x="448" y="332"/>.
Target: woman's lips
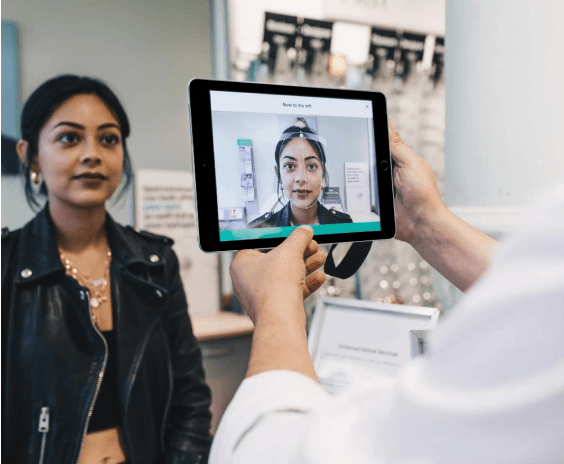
<point x="91" y="180"/>
<point x="90" y="176"/>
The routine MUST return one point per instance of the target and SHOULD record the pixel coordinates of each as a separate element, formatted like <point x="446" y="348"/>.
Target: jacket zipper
<point x="98" y="382"/>
<point x="43" y="428"/>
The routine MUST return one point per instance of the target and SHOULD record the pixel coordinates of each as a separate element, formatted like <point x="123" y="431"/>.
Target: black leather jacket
<point x="281" y="218"/>
<point x="53" y="357"/>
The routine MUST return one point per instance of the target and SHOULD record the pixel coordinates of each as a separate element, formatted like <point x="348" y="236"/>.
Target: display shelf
<point x="220" y="325"/>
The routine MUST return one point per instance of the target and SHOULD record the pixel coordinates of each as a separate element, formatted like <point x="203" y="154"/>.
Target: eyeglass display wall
<point x="408" y="68"/>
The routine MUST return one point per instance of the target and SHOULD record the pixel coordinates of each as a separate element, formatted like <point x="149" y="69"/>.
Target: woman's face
<point x="301" y="172"/>
<point x="80" y="153"/>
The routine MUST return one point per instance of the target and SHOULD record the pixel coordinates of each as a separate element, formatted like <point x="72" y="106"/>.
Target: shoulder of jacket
<point x="260" y="220"/>
<point x="8" y="234"/>
<point x="340" y="215"/>
<point x="144" y="234"/>
<point x="10" y="247"/>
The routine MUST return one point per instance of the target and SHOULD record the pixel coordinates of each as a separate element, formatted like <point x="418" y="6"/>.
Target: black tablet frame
<point x="203" y="161"/>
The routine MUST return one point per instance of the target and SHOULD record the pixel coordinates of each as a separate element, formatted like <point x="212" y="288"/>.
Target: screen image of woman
<point x="300" y="167"/>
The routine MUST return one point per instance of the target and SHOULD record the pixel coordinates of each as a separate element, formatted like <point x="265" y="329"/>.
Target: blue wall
<point x="10" y="80"/>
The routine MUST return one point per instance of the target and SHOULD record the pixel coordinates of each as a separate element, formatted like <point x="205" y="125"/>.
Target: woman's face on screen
<point x="301" y="173"/>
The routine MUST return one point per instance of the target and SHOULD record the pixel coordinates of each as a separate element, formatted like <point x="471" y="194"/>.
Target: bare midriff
<point x="103" y="447"/>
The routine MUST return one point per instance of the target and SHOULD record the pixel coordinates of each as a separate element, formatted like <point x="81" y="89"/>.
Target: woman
<point x="301" y="173"/>
<point x="99" y="363"/>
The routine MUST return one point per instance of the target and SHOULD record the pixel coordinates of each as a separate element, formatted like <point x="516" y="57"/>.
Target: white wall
<point x="146" y="52"/>
<point x="504" y="101"/>
<point x="504" y="118"/>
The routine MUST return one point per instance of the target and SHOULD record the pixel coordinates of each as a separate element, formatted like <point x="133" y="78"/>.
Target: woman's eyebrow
<point x="81" y="127"/>
<point x="71" y="124"/>
<point x="108" y="124"/>
<point x="306" y="158"/>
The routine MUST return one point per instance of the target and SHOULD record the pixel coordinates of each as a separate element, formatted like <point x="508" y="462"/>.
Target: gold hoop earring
<point x="35" y="178"/>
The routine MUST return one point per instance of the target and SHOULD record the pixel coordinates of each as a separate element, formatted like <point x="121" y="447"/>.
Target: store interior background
<point x="393" y="272"/>
<point x="148" y="51"/>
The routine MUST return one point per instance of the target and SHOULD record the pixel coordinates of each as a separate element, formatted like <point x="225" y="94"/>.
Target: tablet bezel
<point x="203" y="161"/>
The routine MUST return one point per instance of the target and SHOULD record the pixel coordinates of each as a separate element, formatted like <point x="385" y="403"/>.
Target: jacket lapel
<point x="285" y="217"/>
<point x="139" y="296"/>
<point x="324" y="215"/>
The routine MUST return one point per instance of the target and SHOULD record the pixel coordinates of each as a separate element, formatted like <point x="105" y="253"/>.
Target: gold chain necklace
<point x="97" y="287"/>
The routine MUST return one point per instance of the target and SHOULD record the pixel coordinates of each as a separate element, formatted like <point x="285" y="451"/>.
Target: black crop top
<point x="106" y="409"/>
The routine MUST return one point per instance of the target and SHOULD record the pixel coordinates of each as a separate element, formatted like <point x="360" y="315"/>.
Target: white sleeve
<point x="491" y="389"/>
<point x="266" y="418"/>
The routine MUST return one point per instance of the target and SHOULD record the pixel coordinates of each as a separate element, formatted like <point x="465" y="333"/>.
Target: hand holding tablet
<point x="268" y="158"/>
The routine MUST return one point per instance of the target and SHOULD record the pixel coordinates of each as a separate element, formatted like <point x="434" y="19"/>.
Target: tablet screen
<point x="283" y="160"/>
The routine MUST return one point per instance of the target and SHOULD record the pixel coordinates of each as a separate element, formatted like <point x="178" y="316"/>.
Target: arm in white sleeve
<point x="266" y="418"/>
<point x="491" y="389"/>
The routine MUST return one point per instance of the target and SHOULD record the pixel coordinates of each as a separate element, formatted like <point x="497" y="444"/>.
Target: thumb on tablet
<point x="298" y="240"/>
<point x="401" y="153"/>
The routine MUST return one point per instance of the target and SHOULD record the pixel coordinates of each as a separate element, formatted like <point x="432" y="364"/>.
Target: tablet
<point x="268" y="158"/>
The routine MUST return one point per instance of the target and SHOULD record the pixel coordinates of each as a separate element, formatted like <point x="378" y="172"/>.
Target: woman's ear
<point x="21" y="148"/>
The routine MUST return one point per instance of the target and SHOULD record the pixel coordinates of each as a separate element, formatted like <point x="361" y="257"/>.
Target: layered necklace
<point x="97" y="287"/>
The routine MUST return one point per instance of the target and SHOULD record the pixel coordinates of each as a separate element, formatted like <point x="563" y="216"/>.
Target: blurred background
<point x="148" y="51"/>
<point x="397" y="48"/>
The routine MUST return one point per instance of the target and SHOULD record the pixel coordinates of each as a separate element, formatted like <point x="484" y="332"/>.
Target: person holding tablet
<point x="490" y="389"/>
<point x="99" y="362"/>
<point x="301" y="173"/>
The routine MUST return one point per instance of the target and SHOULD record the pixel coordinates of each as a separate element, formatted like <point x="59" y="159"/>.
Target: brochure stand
<point x="353" y="341"/>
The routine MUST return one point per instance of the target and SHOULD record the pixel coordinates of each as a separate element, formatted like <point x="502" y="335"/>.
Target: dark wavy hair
<point x="299" y="126"/>
<point x="45" y="100"/>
